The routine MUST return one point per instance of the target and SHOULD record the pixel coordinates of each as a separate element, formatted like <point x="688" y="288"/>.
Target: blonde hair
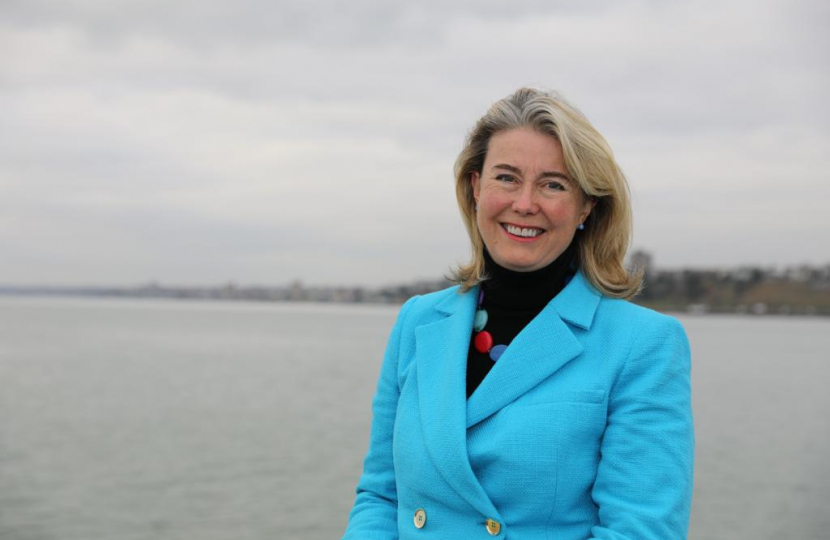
<point x="604" y="241"/>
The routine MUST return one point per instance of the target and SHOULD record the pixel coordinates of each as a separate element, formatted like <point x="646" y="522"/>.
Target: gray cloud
<point x="264" y="141"/>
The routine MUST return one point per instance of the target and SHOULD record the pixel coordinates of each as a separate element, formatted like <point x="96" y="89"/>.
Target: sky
<point x="206" y="142"/>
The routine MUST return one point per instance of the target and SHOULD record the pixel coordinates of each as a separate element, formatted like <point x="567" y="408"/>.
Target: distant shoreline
<point x="803" y="291"/>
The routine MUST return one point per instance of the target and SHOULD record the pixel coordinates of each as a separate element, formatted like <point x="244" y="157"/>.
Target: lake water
<point x="135" y="419"/>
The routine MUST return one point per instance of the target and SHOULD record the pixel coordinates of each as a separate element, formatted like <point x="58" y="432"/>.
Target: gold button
<point x="420" y="518"/>
<point x="493" y="527"/>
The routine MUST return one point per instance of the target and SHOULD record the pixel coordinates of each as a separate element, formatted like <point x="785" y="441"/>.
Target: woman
<point x="532" y="401"/>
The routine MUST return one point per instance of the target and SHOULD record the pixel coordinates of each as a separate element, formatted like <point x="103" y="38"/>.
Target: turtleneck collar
<point x="519" y="291"/>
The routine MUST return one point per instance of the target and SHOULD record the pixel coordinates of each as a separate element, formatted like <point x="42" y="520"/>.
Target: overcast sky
<point x="199" y="142"/>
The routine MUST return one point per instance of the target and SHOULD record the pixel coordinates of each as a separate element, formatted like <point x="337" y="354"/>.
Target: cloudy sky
<point x="197" y="142"/>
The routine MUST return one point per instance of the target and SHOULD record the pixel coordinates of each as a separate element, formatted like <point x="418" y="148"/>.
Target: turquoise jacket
<point x="582" y="429"/>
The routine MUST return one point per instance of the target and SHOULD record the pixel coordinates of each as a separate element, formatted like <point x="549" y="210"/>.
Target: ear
<point x="587" y="207"/>
<point x="475" y="178"/>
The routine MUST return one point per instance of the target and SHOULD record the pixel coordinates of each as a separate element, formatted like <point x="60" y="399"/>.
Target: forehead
<point x="525" y="148"/>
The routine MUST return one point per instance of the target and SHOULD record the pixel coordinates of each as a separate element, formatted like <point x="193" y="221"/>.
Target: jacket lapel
<point x="546" y="344"/>
<point x="441" y="369"/>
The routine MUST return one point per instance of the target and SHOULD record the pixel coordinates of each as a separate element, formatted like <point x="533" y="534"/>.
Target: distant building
<point x="641" y="260"/>
<point x="297" y="292"/>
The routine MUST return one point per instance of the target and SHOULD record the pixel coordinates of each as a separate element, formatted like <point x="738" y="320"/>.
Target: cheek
<point x="484" y="211"/>
<point x="492" y="202"/>
<point x="564" y="213"/>
<point x="487" y="220"/>
<point x="487" y="223"/>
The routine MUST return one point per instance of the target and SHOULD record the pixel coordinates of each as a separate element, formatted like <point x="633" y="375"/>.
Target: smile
<point x="524" y="232"/>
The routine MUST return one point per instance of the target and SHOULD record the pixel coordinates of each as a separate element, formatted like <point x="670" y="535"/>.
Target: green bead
<point x="480" y="320"/>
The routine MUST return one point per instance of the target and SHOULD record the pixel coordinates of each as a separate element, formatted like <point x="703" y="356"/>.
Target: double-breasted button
<point x="420" y="518"/>
<point x="493" y="526"/>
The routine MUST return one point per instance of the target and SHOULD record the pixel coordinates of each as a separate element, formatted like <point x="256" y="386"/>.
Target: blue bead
<point x="480" y="296"/>
<point x="497" y="351"/>
<point x="480" y="320"/>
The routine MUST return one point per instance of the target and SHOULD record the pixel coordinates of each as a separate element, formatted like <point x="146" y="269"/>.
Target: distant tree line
<point x="795" y="290"/>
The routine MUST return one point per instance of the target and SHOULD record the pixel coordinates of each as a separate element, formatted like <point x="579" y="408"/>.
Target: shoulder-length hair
<point x="602" y="245"/>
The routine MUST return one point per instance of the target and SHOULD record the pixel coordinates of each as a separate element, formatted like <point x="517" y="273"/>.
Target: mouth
<point x="525" y="233"/>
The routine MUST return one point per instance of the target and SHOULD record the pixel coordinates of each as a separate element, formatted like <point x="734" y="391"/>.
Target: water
<point x="134" y="419"/>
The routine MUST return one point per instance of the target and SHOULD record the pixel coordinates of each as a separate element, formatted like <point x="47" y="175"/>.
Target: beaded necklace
<point x="483" y="340"/>
<point x="548" y="281"/>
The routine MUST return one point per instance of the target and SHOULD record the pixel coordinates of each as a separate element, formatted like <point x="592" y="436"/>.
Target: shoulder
<point x="636" y="329"/>
<point x="421" y="307"/>
<point x="417" y="311"/>
<point x="431" y="300"/>
<point x="639" y="318"/>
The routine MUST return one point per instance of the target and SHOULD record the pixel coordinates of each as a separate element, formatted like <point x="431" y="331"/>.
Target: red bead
<point x="483" y="342"/>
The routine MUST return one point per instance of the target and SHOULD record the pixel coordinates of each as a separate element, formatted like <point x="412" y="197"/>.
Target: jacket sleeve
<point x="374" y="515"/>
<point x="643" y="487"/>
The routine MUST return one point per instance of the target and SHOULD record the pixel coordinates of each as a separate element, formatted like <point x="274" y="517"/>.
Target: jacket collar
<point x="578" y="301"/>
<point x="575" y="304"/>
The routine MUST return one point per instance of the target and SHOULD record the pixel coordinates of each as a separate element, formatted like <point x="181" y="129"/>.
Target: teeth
<point x="518" y="231"/>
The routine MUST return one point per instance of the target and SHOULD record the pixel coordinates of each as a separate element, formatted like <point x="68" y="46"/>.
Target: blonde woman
<point x="532" y="400"/>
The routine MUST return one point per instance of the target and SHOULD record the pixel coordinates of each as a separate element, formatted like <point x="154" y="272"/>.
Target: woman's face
<point x="528" y="207"/>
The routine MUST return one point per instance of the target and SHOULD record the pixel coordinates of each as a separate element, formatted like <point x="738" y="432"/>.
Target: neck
<point x="512" y="290"/>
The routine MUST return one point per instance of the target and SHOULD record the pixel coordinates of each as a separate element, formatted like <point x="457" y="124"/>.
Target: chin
<point x="522" y="265"/>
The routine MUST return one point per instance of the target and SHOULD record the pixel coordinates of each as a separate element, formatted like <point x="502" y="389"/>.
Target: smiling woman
<point x="532" y="400"/>
<point x="578" y="157"/>
<point x="529" y="208"/>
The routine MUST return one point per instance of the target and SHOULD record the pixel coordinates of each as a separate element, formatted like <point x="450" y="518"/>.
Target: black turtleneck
<point x="512" y="299"/>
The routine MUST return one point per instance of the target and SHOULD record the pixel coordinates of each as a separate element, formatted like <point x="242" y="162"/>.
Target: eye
<point x="555" y="185"/>
<point x="507" y="178"/>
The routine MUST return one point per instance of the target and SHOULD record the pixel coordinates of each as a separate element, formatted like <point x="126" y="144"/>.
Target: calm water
<point x="127" y="420"/>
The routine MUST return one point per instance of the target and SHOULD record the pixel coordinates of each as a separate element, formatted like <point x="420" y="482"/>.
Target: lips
<point x="522" y="232"/>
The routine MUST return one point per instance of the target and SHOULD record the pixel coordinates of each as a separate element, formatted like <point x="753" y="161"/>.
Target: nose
<point x="525" y="201"/>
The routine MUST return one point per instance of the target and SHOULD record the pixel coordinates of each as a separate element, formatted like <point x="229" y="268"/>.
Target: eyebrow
<point x="546" y="174"/>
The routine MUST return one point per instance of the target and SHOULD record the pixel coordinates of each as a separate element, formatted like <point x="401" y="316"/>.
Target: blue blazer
<point x="582" y="429"/>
